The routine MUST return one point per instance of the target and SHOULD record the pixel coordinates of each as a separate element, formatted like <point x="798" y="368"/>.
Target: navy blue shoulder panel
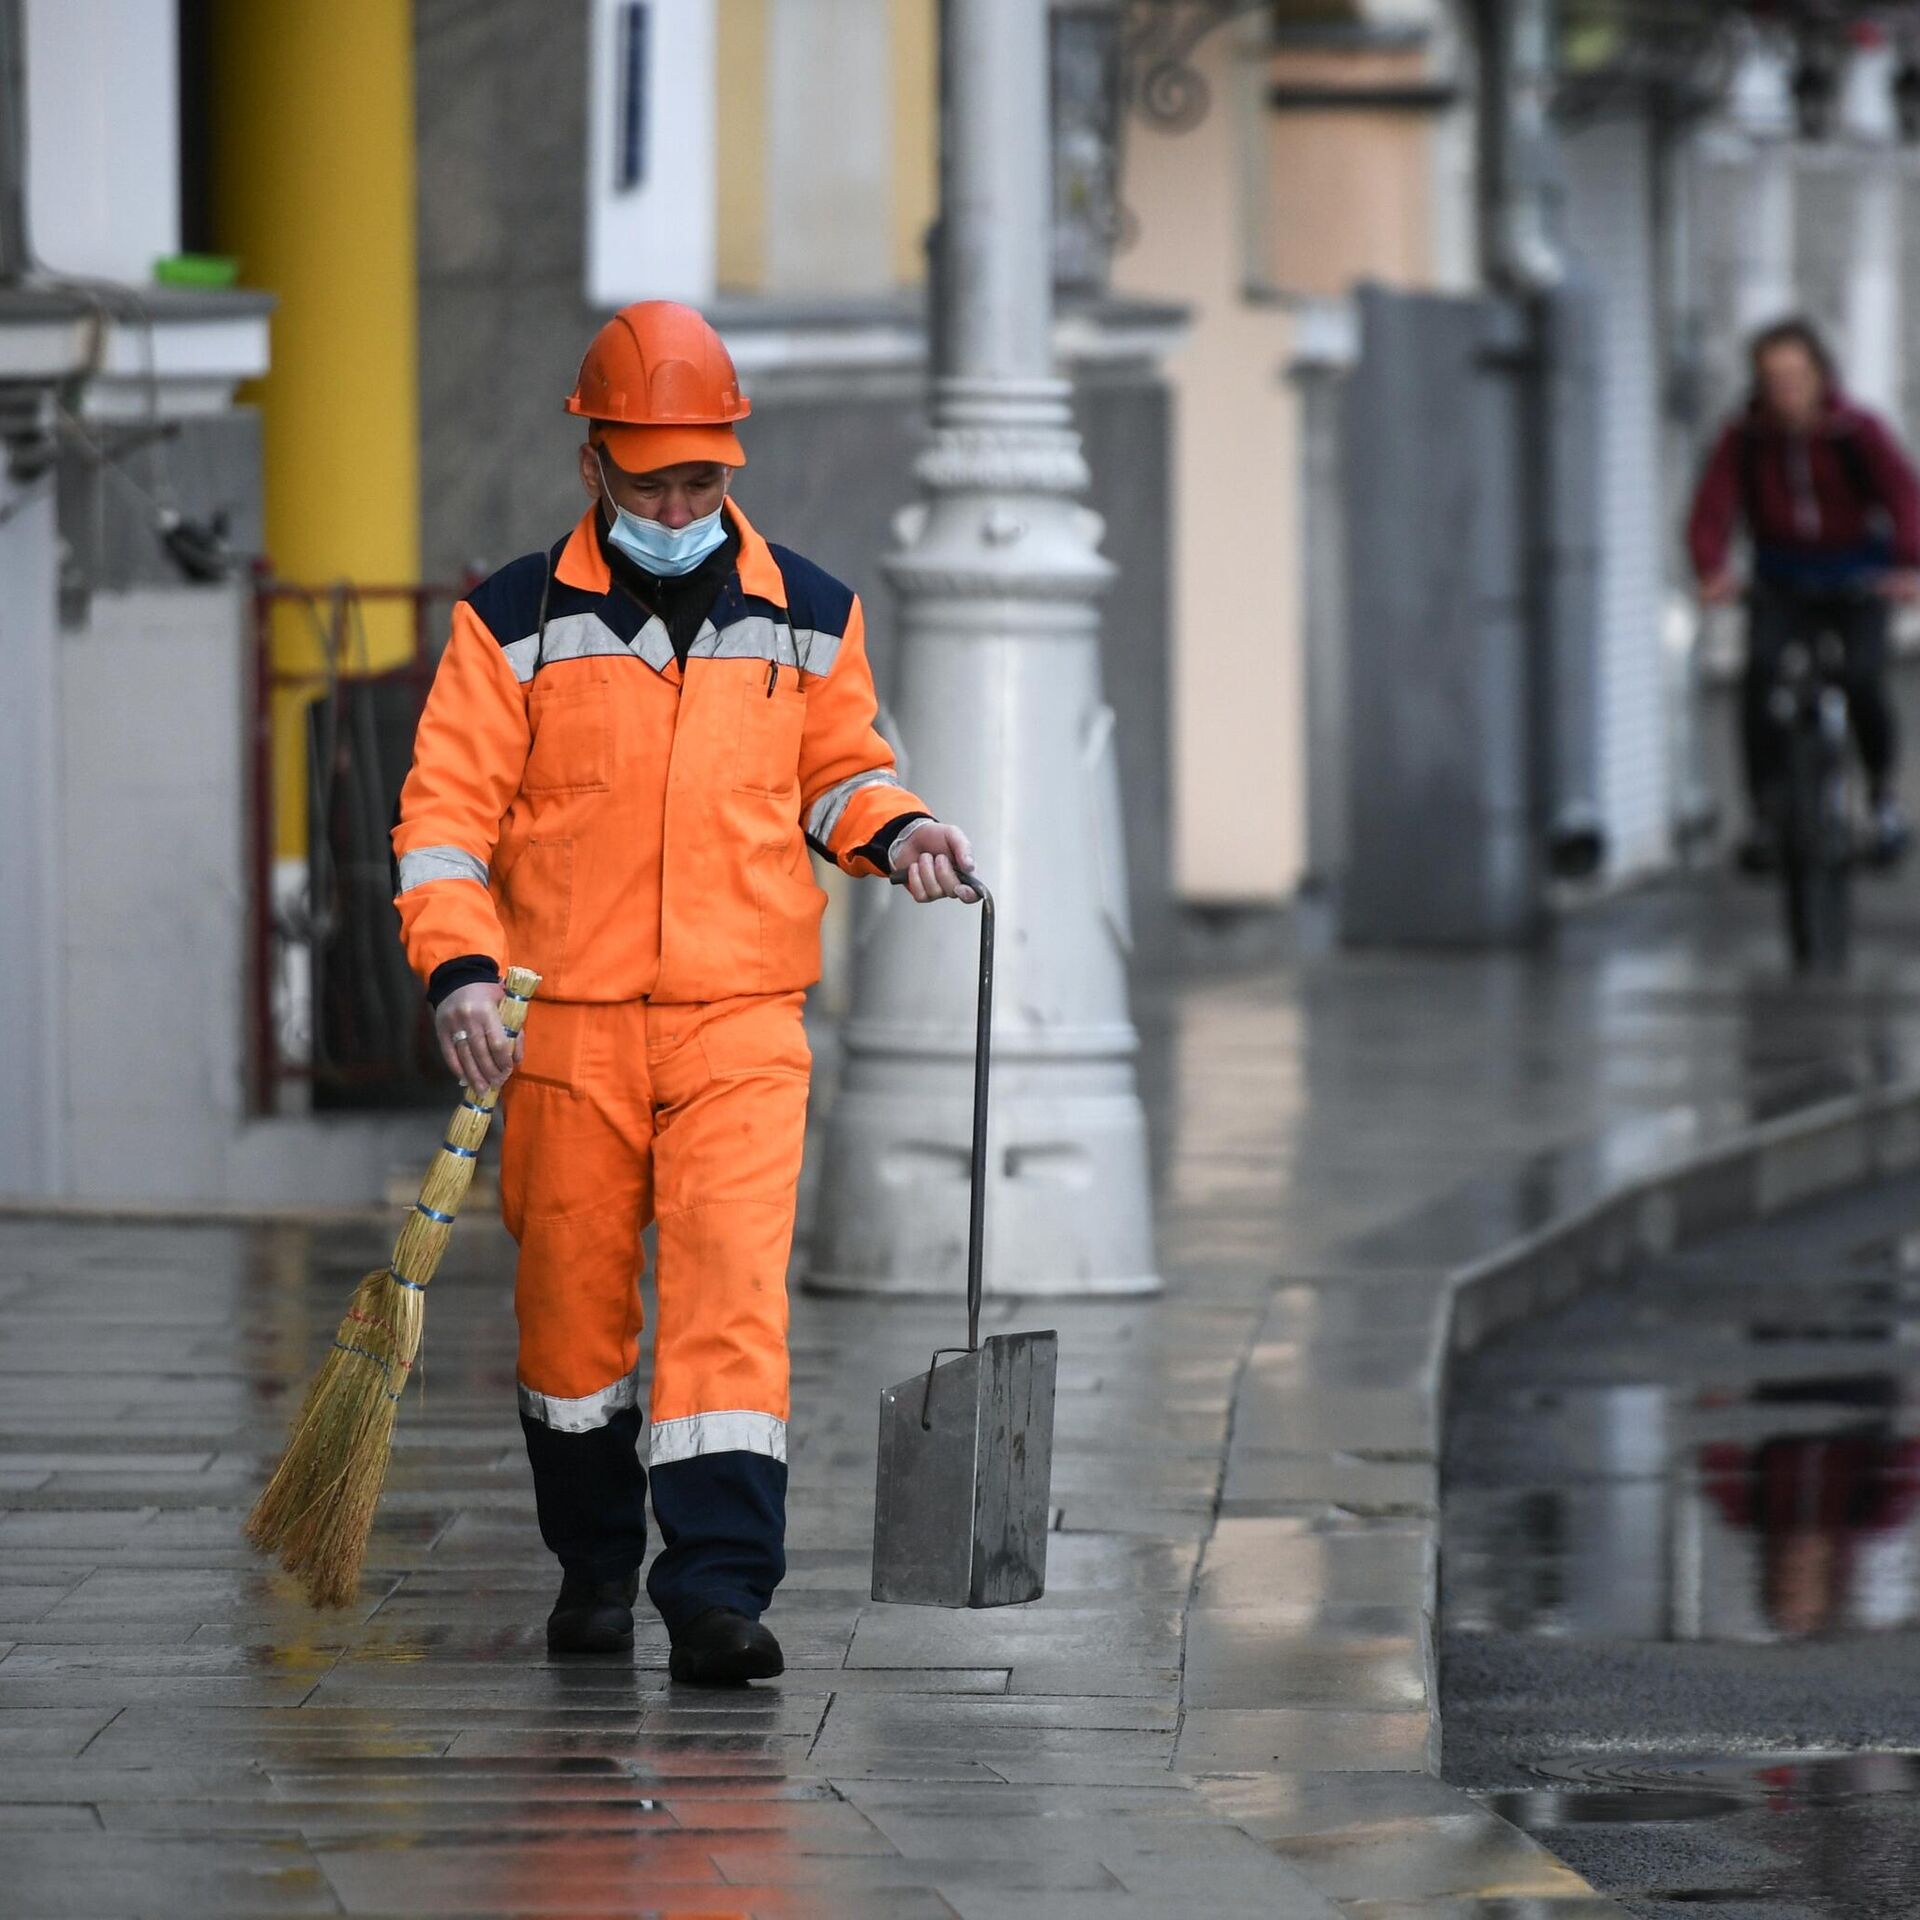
<point x="814" y="597"/>
<point x="508" y="601"/>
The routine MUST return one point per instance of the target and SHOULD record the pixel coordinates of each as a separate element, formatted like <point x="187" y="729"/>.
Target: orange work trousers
<point x="690" y="1117"/>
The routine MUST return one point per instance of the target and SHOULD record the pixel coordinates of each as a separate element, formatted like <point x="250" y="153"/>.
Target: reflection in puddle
<point x="1778" y="1511"/>
<point x="1681" y="1577"/>
<point x="1666" y="1788"/>
<point x="1544" y="1811"/>
<point x="1830" y="1514"/>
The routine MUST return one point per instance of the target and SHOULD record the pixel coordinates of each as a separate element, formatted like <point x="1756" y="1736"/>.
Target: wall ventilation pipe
<point x="1523" y="249"/>
<point x="16" y="254"/>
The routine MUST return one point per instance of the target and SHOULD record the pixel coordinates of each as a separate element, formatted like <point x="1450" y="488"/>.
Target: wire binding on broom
<point x="387" y="1363"/>
<point x="317" y="1511"/>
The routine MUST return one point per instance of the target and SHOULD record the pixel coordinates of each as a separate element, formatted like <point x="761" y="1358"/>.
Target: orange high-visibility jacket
<point x="581" y="805"/>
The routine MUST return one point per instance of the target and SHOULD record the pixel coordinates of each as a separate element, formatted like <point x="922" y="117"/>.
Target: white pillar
<point x="33" y="1118"/>
<point x="999" y="700"/>
<point x="1873" y="344"/>
<point x="1766" y="284"/>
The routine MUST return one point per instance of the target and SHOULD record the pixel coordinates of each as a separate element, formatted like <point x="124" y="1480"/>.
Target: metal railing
<point x="332" y="1008"/>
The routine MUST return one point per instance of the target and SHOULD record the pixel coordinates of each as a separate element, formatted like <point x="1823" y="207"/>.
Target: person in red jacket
<point x="1830" y="504"/>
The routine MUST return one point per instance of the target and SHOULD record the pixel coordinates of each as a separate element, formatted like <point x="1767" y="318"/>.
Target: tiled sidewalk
<point x="1219" y="1709"/>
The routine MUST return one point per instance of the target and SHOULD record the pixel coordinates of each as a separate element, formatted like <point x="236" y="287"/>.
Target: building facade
<point x="437" y="202"/>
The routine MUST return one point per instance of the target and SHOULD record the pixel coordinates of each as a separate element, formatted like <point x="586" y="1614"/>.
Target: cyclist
<point x="1831" y="507"/>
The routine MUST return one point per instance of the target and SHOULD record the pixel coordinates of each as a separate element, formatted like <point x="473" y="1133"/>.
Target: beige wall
<point x="1240" y="216"/>
<point x="740" y="120"/>
<point x="1348" y="193"/>
<point x="1239" y="784"/>
<point x="916" y="134"/>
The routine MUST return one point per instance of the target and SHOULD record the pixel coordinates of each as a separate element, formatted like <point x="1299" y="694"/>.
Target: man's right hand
<point x="473" y="1043"/>
<point x="1719" y="588"/>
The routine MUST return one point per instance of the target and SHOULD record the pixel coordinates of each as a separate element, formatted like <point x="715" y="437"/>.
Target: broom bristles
<point x="316" y="1513"/>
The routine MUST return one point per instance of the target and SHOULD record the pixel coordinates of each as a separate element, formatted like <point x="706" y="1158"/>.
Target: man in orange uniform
<point x="631" y="742"/>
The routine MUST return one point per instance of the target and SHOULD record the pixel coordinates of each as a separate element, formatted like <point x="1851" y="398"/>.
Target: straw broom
<point x="317" y="1510"/>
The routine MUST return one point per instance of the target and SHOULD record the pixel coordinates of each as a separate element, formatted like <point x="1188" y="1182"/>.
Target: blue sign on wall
<point x="630" y="132"/>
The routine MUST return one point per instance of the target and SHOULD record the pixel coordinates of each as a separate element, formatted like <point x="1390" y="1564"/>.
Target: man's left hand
<point x="932" y="858"/>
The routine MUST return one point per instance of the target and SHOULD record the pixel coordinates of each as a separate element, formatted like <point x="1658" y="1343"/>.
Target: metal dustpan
<point x="966" y="1448"/>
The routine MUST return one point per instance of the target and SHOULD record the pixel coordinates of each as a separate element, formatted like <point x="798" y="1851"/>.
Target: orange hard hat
<point x="661" y="382"/>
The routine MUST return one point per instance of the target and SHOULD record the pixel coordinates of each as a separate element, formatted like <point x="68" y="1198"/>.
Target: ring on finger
<point x="460" y="1033"/>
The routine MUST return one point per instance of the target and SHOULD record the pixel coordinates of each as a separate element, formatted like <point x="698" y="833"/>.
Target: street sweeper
<point x="632" y="741"/>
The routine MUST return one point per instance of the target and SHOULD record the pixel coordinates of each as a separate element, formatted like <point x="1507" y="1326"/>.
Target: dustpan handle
<point x="982" y="1058"/>
<point x="977" y="1169"/>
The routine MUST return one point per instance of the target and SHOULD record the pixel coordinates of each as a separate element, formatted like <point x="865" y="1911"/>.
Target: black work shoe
<point x="724" y="1649"/>
<point x="592" y="1616"/>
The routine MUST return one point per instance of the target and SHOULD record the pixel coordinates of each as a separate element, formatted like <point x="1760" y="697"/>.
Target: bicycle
<point x="1811" y="807"/>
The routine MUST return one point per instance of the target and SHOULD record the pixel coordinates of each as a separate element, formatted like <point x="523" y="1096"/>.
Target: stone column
<point x="32" y="1089"/>
<point x="33" y="1117"/>
<point x="999" y="701"/>
<point x="1766" y="283"/>
<point x="1873" y="333"/>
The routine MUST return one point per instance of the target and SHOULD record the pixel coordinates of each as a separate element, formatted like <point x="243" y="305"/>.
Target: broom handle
<point x="423" y="1236"/>
<point x="522" y="983"/>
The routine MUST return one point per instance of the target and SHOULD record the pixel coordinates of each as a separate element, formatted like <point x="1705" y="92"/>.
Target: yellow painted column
<point x="740" y="141"/>
<point x="314" y="193"/>
<point x="916" y="134"/>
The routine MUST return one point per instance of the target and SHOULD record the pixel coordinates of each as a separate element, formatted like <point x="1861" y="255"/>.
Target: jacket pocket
<point x="789" y="903"/>
<point x="551" y="1047"/>
<point x="756" y="1036"/>
<point x="536" y="909"/>
<point x="771" y="725"/>
<point x="572" y="726"/>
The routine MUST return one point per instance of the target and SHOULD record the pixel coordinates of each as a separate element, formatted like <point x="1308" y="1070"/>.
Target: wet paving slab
<point x="1681" y="1573"/>
<point x="1223" y="1706"/>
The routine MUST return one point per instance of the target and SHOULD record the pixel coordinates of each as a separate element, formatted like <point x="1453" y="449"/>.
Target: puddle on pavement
<point x="1828" y="1835"/>
<point x="1681" y="1577"/>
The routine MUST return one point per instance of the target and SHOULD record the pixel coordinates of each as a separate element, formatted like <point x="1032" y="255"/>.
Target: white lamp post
<point x="999" y="701"/>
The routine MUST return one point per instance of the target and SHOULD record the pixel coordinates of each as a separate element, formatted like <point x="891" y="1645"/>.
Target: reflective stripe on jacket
<point x="581" y="804"/>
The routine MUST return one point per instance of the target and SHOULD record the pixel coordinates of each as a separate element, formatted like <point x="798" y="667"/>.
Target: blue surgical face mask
<point x="665" y="551"/>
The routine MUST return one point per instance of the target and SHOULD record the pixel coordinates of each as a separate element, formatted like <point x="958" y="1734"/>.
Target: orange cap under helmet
<point x="661" y="382"/>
